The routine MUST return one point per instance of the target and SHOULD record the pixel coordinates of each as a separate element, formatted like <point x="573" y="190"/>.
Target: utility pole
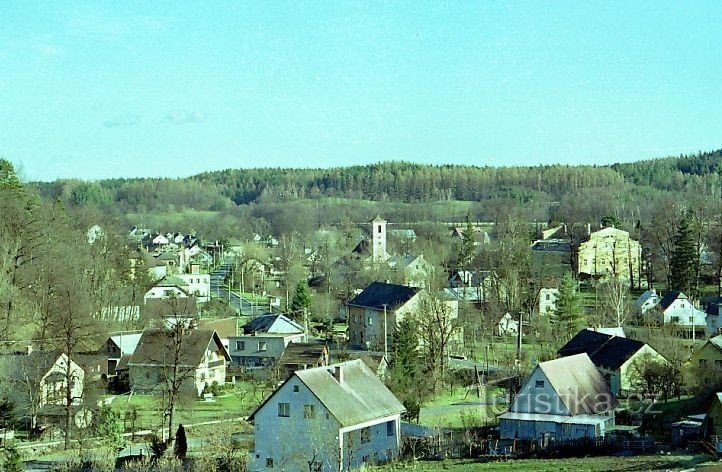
<point x="386" y="337"/>
<point x="519" y="337"/>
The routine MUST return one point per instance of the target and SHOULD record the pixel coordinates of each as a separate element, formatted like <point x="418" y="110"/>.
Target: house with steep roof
<point x="119" y="349"/>
<point x="675" y="308"/>
<point x="647" y="301"/>
<point x="413" y="271"/>
<point x="198" y="358"/>
<point x="480" y="236"/>
<point x="704" y="367"/>
<point x="712" y="424"/>
<point x="376" y="311"/>
<point x="37" y="383"/>
<point x="614" y="356"/>
<point x="338" y="417"/>
<point x="562" y="399"/>
<point x="264" y="339"/>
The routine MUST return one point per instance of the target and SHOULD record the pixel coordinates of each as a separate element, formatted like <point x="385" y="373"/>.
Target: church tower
<point x="378" y="240"/>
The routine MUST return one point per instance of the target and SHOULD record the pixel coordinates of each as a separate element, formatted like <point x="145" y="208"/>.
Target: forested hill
<point x="397" y="182"/>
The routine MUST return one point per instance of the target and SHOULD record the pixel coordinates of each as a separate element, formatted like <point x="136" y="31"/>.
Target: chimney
<point x="338" y="373"/>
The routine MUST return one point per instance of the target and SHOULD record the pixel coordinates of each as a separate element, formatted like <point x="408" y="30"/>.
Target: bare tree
<point x="438" y="328"/>
<point x="615" y="292"/>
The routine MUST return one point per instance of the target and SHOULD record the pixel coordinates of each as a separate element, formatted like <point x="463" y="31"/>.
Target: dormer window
<point x="539" y="384"/>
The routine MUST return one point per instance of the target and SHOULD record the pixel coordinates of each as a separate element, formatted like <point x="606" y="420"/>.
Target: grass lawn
<point x="588" y="464"/>
<point x="456" y="409"/>
<point x="231" y="404"/>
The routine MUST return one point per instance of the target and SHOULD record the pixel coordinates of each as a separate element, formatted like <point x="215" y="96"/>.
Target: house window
<point x="691" y="319"/>
<point x="269" y="462"/>
<point x="718" y="365"/>
<point x="284" y="410"/>
<point x="295" y="388"/>
<point x="703" y="363"/>
<point x="548" y="297"/>
<point x="240" y="345"/>
<point x="379" y="229"/>
<point x="365" y="435"/>
<point x="262" y="345"/>
<point x="309" y="411"/>
<point x="539" y="384"/>
<point x="390" y="428"/>
<point x="370" y="321"/>
<point x="674" y="319"/>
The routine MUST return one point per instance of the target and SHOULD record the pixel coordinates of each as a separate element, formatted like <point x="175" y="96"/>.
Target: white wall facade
<point x="199" y="285"/>
<point x="683" y="313"/>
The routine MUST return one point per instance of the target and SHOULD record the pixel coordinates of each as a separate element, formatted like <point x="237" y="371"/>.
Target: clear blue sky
<point x="118" y="89"/>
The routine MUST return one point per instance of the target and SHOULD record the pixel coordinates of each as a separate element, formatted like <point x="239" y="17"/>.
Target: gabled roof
<point x="585" y="340"/>
<point x="272" y="323"/>
<point x="647" y="295"/>
<point x="379" y="294"/>
<point x="604" y="350"/>
<point x="716" y="341"/>
<point x="303" y="354"/>
<point x="156" y="347"/>
<point x="359" y="397"/>
<point x="578" y="383"/>
<point x="171" y="281"/>
<point x="670" y="297"/>
<point x="126" y="342"/>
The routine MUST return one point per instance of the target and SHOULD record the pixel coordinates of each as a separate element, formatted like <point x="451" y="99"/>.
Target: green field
<point x="459" y="409"/>
<point x="587" y="464"/>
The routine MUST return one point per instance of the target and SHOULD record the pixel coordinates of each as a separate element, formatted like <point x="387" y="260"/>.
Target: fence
<point x="469" y="444"/>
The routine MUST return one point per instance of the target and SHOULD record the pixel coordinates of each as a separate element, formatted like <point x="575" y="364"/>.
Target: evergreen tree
<point x="466" y="249"/>
<point x="685" y="258"/>
<point x="10" y="460"/>
<point x="110" y="429"/>
<point x="405" y="360"/>
<point x="180" y="449"/>
<point x="568" y="315"/>
<point x="301" y="300"/>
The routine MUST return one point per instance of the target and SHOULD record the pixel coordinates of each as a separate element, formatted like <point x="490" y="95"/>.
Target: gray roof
<point x="272" y="323"/>
<point x="359" y="397"/>
<point x="579" y="384"/>
<point x="378" y="294"/>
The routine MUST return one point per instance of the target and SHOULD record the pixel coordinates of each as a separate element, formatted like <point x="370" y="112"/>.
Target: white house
<point x="331" y="418"/>
<point x="508" y="325"/>
<point x="548" y="301"/>
<point x="169" y="287"/>
<point x="198" y="285"/>
<point x="677" y="309"/>
<point x="562" y="399"/>
<point x="647" y="301"/>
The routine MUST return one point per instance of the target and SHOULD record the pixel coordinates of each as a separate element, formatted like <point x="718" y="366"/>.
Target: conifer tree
<point x="685" y="258"/>
<point x="568" y="315"/>
<point x="301" y="300"/>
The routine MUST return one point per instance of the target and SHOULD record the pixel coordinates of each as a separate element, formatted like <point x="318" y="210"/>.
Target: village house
<point x="413" y="271"/>
<point x="37" y="382"/>
<point x="168" y="287"/>
<point x="610" y="252"/>
<point x="201" y="361"/>
<point x="480" y="236"/>
<point x="338" y="417"/>
<point x="614" y="357"/>
<point x="302" y="356"/>
<point x="562" y="399"/>
<point x="548" y="300"/>
<point x="119" y="349"/>
<point x="508" y="326"/>
<point x="712" y="424"/>
<point x="647" y="301"/>
<point x="376" y="311"/>
<point x="705" y="365"/>
<point x="677" y="309"/>
<point x="264" y="339"/>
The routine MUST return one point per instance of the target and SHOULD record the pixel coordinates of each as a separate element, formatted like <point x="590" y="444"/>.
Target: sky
<point x="95" y="90"/>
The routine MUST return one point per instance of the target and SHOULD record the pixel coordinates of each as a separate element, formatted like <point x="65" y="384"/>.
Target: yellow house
<point x="610" y="251"/>
<point x="705" y="365"/>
